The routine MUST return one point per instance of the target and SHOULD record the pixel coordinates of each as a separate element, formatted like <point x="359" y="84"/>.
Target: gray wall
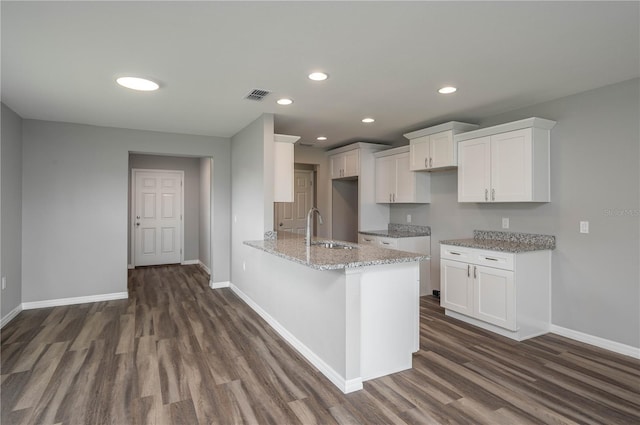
<point x="595" y="177"/>
<point x="191" y="168"/>
<point x="11" y="209"/>
<point x="252" y="199"/>
<point x="75" y="206"/>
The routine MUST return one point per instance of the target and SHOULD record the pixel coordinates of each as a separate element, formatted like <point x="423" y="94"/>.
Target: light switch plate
<point x="505" y="222"/>
<point x="584" y="227"/>
<point x="4" y="282"/>
<point x="408" y="218"/>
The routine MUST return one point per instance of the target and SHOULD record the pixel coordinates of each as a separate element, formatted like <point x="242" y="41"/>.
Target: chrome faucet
<point x="309" y="214"/>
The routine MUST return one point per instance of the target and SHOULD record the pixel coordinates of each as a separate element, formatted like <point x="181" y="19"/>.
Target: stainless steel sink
<point x="333" y="245"/>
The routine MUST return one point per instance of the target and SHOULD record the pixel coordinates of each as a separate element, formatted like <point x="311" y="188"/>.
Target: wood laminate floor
<point x="177" y="352"/>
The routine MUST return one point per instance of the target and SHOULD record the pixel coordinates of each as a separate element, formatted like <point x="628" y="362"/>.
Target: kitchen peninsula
<point x="351" y="310"/>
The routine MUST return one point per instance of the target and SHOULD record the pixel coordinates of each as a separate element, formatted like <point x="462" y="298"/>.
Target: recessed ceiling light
<point x="318" y="76"/>
<point x="284" y="101"/>
<point x="140" y="84"/>
<point x="321" y="138"/>
<point x="447" y="90"/>
<point x="367" y="120"/>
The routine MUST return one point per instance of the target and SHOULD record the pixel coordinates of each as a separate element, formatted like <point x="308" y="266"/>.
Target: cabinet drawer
<point x="481" y="257"/>
<point x="456" y="253"/>
<point x="391" y="243"/>
<point x="495" y="259"/>
<point x="367" y="240"/>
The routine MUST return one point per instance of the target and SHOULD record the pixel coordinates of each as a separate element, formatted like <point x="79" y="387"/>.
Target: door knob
<point x="280" y="225"/>
<point x="137" y="224"/>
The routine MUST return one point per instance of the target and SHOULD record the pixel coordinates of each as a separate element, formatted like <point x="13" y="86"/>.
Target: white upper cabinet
<point x="505" y="163"/>
<point x="283" y="167"/>
<point x="433" y="148"/>
<point x="396" y="183"/>
<point x="345" y="164"/>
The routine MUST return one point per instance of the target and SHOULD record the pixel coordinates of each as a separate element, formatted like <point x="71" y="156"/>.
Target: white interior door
<point x="292" y="216"/>
<point x="157" y="217"/>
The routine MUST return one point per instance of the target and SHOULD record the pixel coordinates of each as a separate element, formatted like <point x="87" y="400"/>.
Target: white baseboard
<point x="218" y="285"/>
<point x="130" y="267"/>
<point x="75" y="300"/>
<point x="9" y="317"/>
<point x="190" y="262"/>
<point x="616" y="347"/>
<point x="346" y="386"/>
<point x="204" y="267"/>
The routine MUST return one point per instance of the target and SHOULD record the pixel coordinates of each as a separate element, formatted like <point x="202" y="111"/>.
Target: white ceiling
<point x="385" y="60"/>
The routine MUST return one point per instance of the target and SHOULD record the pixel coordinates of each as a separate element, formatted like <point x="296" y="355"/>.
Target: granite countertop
<point x="292" y="247"/>
<point x="505" y="241"/>
<point x="400" y="231"/>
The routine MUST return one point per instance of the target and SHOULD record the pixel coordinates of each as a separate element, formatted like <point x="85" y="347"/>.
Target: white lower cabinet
<point x="418" y="244"/>
<point x="507" y="293"/>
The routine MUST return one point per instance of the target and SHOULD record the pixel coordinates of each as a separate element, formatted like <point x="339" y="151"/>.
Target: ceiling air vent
<point x="257" y="94"/>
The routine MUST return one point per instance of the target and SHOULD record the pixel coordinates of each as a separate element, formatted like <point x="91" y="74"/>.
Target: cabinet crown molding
<point x="357" y="145"/>
<point x="394" y="151"/>
<point x="284" y="138"/>
<point x="455" y="126"/>
<point x="533" y="122"/>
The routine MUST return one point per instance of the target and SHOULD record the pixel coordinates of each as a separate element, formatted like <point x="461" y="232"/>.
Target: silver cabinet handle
<point x="475" y="272"/>
<point x="468" y="270"/>
<point x="389" y="198"/>
<point x="490" y="259"/>
<point x="425" y="163"/>
<point x="430" y="162"/>
<point x="394" y="197"/>
<point x="454" y="253"/>
<point x="493" y="194"/>
<point x="486" y="194"/>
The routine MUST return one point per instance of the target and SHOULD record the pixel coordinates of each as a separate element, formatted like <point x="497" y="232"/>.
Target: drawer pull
<point x="491" y="259"/>
<point x="454" y="253"/>
<point x="386" y="243"/>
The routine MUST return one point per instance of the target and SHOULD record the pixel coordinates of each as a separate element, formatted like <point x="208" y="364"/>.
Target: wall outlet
<point x="408" y="218"/>
<point x="505" y="222"/>
<point x="244" y="266"/>
<point x="584" y="227"/>
<point x="4" y="282"/>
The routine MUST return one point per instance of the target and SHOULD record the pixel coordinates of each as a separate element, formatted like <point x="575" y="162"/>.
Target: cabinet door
<point x="337" y="165"/>
<point x="385" y="179"/>
<point x="419" y="151"/>
<point x="456" y="285"/>
<point x="495" y="300"/>
<point x="474" y="170"/>
<point x="283" y="168"/>
<point x="441" y="152"/>
<point x="511" y="166"/>
<point x="351" y="163"/>
<point x="405" y="185"/>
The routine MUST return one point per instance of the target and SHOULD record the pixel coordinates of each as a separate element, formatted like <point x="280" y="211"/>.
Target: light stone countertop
<point x="292" y="247"/>
<point x="399" y="231"/>
<point x="513" y="242"/>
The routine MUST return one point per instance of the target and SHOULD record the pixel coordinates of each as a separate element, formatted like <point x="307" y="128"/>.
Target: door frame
<point x="133" y="210"/>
